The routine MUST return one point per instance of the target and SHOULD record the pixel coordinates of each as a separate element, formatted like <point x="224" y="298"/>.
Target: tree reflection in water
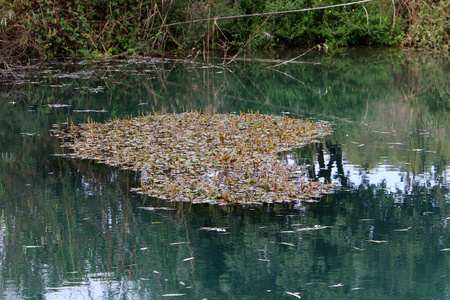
<point x="73" y="229"/>
<point x="326" y="170"/>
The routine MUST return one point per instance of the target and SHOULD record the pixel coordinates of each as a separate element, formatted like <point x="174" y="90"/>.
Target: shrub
<point x="102" y="27"/>
<point x="428" y="24"/>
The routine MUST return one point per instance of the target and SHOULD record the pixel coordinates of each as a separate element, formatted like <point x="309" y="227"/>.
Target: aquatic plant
<point x="199" y="157"/>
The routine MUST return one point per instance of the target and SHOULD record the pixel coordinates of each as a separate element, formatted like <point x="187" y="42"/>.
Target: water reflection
<point x="72" y="229"/>
<point x="326" y="163"/>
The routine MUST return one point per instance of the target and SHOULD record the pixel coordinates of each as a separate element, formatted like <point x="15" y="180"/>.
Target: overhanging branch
<point x="262" y="14"/>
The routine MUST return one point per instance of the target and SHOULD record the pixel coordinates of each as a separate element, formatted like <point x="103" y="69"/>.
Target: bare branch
<point x="263" y="14"/>
<point x="293" y="59"/>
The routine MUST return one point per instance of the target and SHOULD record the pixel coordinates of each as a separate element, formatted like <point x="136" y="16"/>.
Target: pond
<point x="72" y="229"/>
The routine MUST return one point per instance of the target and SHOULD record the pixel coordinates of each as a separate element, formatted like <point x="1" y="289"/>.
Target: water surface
<point x="72" y="229"/>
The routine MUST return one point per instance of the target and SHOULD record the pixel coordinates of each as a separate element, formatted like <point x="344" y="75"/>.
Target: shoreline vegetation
<point x="100" y="28"/>
<point x="205" y="158"/>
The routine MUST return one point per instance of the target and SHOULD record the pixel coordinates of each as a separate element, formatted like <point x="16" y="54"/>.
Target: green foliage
<point x="105" y="28"/>
<point x="341" y="26"/>
<point x="430" y="25"/>
<point x="48" y="28"/>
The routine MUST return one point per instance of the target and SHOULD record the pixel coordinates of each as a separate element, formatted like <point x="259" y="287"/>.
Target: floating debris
<point x="286" y="244"/>
<point x="165" y="208"/>
<point x="147" y="208"/>
<point x="336" y="285"/>
<point x="404" y="229"/>
<point x="214" y="229"/>
<point x="316" y="227"/>
<point x="212" y="158"/>
<point x="90" y="111"/>
<point x="151" y="208"/>
<point x="96" y="90"/>
<point x="58" y="105"/>
<point x="188" y="259"/>
<point x="102" y="275"/>
<point x="296" y="294"/>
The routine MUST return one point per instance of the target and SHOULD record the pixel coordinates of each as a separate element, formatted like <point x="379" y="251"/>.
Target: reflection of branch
<point x="256" y="101"/>
<point x="191" y="251"/>
<point x="298" y="80"/>
<point x="256" y="86"/>
<point x="268" y="60"/>
<point x="304" y="53"/>
<point x="366" y="112"/>
<point x="8" y="69"/>
<point x="13" y="69"/>
<point x="224" y="95"/>
<point x="407" y="95"/>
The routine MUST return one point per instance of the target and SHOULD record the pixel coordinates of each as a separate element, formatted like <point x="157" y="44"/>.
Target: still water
<point x="72" y="229"/>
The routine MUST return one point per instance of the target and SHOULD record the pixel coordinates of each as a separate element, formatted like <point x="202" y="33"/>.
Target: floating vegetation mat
<point x="216" y="158"/>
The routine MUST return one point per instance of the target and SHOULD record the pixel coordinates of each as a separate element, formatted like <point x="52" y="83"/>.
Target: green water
<point x="72" y="229"/>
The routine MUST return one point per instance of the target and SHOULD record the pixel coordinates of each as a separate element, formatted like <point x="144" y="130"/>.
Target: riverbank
<point x="129" y="28"/>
